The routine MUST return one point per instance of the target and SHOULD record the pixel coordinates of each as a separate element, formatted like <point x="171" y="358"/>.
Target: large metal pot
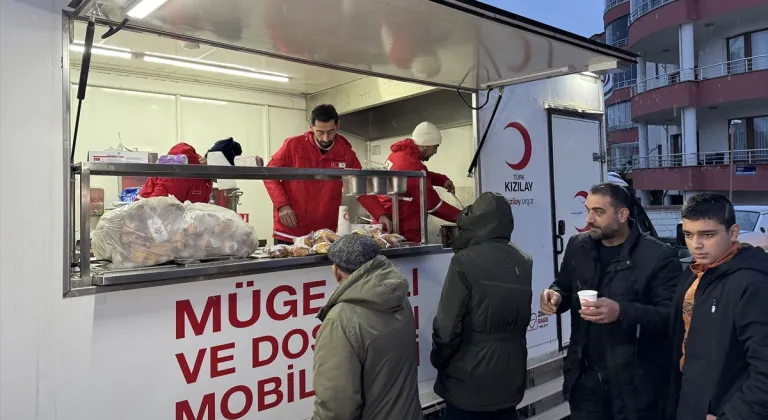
<point x="448" y="234"/>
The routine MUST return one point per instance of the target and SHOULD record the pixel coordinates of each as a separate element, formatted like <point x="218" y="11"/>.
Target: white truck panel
<point x="515" y="161"/>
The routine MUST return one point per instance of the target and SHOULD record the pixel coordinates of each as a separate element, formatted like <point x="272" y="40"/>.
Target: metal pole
<point x="731" y="132"/>
<point x="396" y="213"/>
<point x="85" y="225"/>
<point x="423" y="208"/>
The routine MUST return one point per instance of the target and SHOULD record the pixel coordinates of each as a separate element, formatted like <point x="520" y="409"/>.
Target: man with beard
<point x="409" y="155"/>
<point x="618" y="356"/>
<point x="303" y="206"/>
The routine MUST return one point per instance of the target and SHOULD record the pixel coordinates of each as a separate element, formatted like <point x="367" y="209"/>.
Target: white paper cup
<point x="587" y="296"/>
<point x="343" y="225"/>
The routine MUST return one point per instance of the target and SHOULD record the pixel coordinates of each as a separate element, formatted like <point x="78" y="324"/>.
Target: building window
<point x="619" y="117"/>
<point x="616" y="32"/>
<point x="748" y="52"/>
<point x="623" y="157"/>
<point x="750" y="140"/>
<point x="626" y="78"/>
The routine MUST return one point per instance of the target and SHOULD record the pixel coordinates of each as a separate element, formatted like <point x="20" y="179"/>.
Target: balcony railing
<point x="620" y="42"/>
<point x="624" y="84"/>
<point x="646" y="7"/>
<point x="621" y="127"/>
<point x="740" y="157"/>
<point x="741" y="65"/>
<point x="728" y="68"/>
<point x="666" y="79"/>
<point x="613" y="3"/>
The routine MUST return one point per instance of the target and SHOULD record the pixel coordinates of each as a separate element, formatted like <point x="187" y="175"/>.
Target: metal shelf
<point x="231" y="172"/>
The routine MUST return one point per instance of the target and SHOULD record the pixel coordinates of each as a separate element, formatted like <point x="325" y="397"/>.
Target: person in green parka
<point x="478" y="341"/>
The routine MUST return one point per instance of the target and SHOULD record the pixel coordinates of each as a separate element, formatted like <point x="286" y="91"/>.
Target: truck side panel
<point x="515" y="161"/>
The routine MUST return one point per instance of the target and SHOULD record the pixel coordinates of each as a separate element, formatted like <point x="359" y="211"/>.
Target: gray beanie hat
<point x="352" y="251"/>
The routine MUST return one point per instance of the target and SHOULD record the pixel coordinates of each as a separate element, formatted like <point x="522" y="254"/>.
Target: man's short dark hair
<point x="324" y="113"/>
<point x="619" y="195"/>
<point x="710" y="206"/>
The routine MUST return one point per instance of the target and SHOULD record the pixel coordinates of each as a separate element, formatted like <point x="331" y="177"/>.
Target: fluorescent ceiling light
<point x="142" y="8"/>
<point x="101" y="50"/>
<point x="229" y="69"/>
<point x="530" y="77"/>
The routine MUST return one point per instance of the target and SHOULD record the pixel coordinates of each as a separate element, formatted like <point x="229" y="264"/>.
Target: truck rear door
<point x="573" y="139"/>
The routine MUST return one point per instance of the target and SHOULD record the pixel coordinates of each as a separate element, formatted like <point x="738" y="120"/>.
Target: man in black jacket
<point x="619" y="349"/>
<point x="719" y="320"/>
<point x="479" y="347"/>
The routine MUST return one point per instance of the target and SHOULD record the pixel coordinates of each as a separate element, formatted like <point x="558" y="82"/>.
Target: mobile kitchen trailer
<point x="119" y="346"/>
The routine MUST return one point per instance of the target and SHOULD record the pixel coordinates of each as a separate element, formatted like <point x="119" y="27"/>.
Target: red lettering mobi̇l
<point x="239" y="401"/>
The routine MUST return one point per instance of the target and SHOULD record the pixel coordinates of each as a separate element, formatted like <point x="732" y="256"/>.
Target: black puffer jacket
<point x="636" y="348"/>
<point x="726" y="354"/>
<point x="479" y="346"/>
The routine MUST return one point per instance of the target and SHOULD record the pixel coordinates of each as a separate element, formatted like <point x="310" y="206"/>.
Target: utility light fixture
<point x="173" y="60"/>
<point x="232" y="70"/>
<point x="108" y="51"/>
<point x="142" y="8"/>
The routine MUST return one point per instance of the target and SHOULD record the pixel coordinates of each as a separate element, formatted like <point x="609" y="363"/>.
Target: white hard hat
<point x="426" y="134"/>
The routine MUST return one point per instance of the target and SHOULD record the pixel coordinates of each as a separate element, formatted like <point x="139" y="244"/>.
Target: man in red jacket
<point x="410" y="155"/>
<point x="184" y="189"/>
<point x="303" y="206"/>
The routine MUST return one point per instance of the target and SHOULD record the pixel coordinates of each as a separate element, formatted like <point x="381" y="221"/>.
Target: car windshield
<point x="747" y="219"/>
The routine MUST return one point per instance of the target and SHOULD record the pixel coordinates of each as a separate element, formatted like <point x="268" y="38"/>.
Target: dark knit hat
<point x="228" y="147"/>
<point x="352" y="251"/>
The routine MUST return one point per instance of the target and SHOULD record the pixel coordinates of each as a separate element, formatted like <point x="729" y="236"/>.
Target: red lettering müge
<point x="212" y="311"/>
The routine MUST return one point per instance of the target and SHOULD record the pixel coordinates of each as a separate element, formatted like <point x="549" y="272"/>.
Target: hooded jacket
<point x="479" y="346"/>
<point x="405" y="156"/>
<point x="365" y="354"/>
<point x="316" y="203"/>
<point x="726" y="355"/>
<point x="184" y="189"/>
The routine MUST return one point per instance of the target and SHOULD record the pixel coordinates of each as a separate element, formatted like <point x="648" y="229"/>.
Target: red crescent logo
<point x="519" y="166"/>
<point x="582" y="194"/>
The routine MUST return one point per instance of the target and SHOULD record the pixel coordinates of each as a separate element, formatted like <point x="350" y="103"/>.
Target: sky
<point x="582" y="17"/>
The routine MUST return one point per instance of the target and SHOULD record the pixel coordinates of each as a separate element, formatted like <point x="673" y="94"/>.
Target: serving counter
<point x="99" y="276"/>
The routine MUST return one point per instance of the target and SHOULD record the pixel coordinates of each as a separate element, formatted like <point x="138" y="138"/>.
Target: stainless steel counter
<point x="106" y="280"/>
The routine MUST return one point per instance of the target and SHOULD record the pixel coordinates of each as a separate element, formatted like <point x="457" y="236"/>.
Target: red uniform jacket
<point x="316" y="203"/>
<point x="184" y="189"/>
<point x="406" y="157"/>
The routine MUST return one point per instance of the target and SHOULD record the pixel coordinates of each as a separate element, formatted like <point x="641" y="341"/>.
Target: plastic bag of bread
<point x="300" y="251"/>
<point x="214" y="231"/>
<point x="160" y="229"/>
<point x="140" y="234"/>
<point x="306" y="240"/>
<point x="392" y="239"/>
<point x="325" y="235"/>
<point x="322" y="247"/>
<point x="278" y="251"/>
<point x="382" y="243"/>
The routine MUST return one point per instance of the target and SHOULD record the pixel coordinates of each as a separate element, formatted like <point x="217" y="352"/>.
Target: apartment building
<point x="692" y="115"/>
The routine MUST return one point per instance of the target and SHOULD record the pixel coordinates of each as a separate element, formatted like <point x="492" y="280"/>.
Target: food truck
<point x="519" y="104"/>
